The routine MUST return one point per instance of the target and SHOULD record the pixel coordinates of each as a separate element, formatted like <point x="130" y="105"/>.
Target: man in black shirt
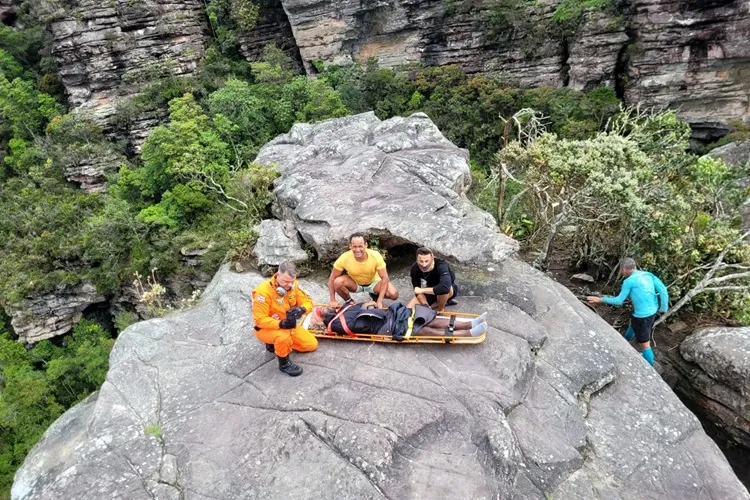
<point x="433" y="281"/>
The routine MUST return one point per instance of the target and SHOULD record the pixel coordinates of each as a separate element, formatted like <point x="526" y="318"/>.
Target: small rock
<point x="583" y="277"/>
<point x="678" y="326"/>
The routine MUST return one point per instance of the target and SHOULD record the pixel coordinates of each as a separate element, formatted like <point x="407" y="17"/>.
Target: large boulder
<point x="553" y="404"/>
<point x="278" y="242"/>
<point x="398" y="179"/>
<point x="720" y="377"/>
<point x="48" y="315"/>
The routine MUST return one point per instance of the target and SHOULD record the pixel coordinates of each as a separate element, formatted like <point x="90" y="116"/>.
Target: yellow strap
<point x="410" y="323"/>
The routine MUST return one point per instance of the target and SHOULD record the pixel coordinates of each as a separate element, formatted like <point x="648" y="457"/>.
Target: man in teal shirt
<point x="642" y="288"/>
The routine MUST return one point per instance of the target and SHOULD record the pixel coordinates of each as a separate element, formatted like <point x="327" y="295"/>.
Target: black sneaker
<point x="451" y="302"/>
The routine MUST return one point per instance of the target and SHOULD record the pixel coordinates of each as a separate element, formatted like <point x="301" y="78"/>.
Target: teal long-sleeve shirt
<point x="642" y="288"/>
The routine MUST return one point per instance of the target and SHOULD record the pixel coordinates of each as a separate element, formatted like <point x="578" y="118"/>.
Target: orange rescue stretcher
<point x="413" y="339"/>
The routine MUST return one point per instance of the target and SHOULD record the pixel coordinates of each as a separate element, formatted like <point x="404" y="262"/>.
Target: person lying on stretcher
<point x="397" y="321"/>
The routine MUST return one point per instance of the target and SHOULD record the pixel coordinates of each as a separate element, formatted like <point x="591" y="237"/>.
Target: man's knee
<point x="304" y="341"/>
<point x="342" y="283"/>
<point x="391" y="292"/>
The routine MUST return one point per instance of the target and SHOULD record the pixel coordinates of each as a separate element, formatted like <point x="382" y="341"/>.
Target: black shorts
<point x="642" y="327"/>
<point x="422" y="316"/>
<point x="431" y="299"/>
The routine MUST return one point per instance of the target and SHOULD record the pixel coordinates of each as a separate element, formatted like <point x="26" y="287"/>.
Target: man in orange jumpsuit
<point x="277" y="305"/>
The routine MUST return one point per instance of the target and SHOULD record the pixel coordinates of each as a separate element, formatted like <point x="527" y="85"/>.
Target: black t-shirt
<point x="440" y="279"/>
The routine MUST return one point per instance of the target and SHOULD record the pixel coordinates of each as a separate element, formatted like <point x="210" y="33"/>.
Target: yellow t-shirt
<point x="363" y="273"/>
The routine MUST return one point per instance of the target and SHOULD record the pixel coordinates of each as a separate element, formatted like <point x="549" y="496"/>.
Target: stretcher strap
<point x="410" y="323"/>
<point x="450" y="327"/>
<point x="340" y="316"/>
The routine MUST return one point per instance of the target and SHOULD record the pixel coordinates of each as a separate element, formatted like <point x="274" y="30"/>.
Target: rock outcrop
<point x="49" y="315"/>
<point x="553" y="404"/>
<point x="272" y="28"/>
<point x="194" y="407"/>
<point x="719" y="376"/>
<point x="278" y="242"/>
<point x="399" y="180"/>
<point x="8" y="10"/>
<point x="693" y="57"/>
<point x="90" y="172"/>
<point x="99" y="46"/>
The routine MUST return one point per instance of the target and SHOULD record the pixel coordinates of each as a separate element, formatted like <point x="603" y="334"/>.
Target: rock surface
<point x="720" y="377"/>
<point x="399" y="180"/>
<point x="52" y="314"/>
<point x="100" y="45"/>
<point x="278" y="242"/>
<point x="8" y="10"/>
<point x="91" y="172"/>
<point x="272" y="28"/>
<point x="194" y="407"/>
<point x="553" y="404"/>
<point x="695" y="57"/>
<point x="735" y="153"/>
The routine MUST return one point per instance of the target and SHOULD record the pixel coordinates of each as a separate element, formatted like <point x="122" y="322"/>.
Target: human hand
<point x="288" y="323"/>
<point x="417" y="290"/>
<point x="379" y="304"/>
<point x="296" y="312"/>
<point x="594" y="300"/>
<point x="334" y="303"/>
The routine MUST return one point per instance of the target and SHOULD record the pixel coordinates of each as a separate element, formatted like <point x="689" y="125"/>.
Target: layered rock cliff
<point x="690" y="56"/>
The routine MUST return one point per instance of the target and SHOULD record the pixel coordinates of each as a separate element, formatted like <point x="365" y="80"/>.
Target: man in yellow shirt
<point x="277" y="305"/>
<point x="365" y="272"/>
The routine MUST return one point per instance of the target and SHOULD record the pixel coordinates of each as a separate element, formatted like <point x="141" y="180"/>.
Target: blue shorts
<point x="643" y="327"/>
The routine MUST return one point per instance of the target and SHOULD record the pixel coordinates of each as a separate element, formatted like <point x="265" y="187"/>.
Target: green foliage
<point x="569" y="13"/>
<point x="153" y="430"/>
<point x="124" y="319"/>
<point x="634" y="191"/>
<point x="38" y="385"/>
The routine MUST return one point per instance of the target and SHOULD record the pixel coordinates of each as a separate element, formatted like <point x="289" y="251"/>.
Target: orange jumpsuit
<point x="269" y="308"/>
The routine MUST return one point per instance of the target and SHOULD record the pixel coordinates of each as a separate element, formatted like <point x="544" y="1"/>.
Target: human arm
<point x="663" y="294"/>
<point x="303" y="299"/>
<point x="445" y="283"/>
<point x="414" y="274"/>
<point x="261" y="310"/>
<point x="620" y="299"/>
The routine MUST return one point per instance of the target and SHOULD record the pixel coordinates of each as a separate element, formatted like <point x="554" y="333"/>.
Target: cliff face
<point x="690" y="55"/>
<point x="101" y="45"/>
<point x="693" y="56"/>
